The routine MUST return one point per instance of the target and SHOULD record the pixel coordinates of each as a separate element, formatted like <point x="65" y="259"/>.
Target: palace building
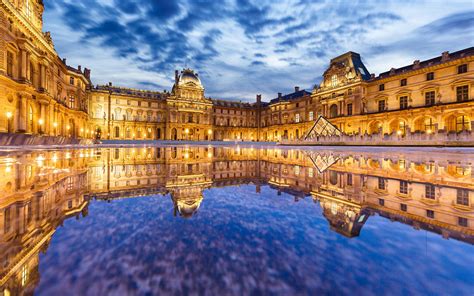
<point x="428" y="102"/>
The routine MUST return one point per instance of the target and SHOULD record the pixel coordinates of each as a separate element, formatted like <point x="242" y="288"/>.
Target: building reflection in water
<point x="41" y="190"/>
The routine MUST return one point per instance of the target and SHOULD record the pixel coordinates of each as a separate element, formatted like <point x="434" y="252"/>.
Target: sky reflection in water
<point x="245" y="242"/>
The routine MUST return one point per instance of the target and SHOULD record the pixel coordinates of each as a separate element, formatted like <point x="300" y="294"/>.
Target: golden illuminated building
<point x="434" y="192"/>
<point x="426" y="103"/>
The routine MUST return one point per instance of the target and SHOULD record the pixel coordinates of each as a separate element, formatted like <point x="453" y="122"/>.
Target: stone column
<point x="24" y="63"/>
<point x="43" y="117"/>
<point x="42" y="77"/>
<point x="21" y="114"/>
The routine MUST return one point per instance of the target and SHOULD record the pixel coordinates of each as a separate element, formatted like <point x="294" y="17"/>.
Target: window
<point x="71" y="80"/>
<point x="349" y="109"/>
<point x="430" y="76"/>
<point x="139" y="103"/>
<point x="311" y="116"/>
<point x="403" y="187"/>
<point x="462" y="221"/>
<point x="349" y="179"/>
<point x="381" y="183"/>
<point x="462" y="197"/>
<point x="462" y="68"/>
<point x="403" y="82"/>
<point x="403" y="207"/>
<point x="334" y="80"/>
<point x="381" y="87"/>
<point x="462" y="93"/>
<point x="72" y="102"/>
<point x="9" y="63"/>
<point x="430" y="191"/>
<point x="429" y="125"/>
<point x="117" y="132"/>
<point x="297" y="105"/>
<point x="28" y="8"/>
<point x="462" y="123"/>
<point x="429" y="98"/>
<point x="403" y="102"/>
<point x="381" y="202"/>
<point x="297" y="118"/>
<point x="430" y="214"/>
<point x="381" y="105"/>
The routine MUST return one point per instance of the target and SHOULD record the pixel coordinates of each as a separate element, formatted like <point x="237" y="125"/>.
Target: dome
<point x="188" y="76"/>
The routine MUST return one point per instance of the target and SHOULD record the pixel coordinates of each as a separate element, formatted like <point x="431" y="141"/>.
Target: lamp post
<point x="209" y="133"/>
<point x="9" y="117"/>
<point x="68" y="128"/>
<point x="186" y="131"/>
<point x="55" y="125"/>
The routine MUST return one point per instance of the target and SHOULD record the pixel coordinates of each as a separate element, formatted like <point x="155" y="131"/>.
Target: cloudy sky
<point x="244" y="47"/>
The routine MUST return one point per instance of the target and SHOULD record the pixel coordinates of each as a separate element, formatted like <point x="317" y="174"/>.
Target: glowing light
<point x="55" y="124"/>
<point x="209" y="154"/>
<point x="68" y="127"/>
<point x="68" y="155"/>
<point x="41" y="121"/>
<point x="9" y="115"/>
<point x="82" y="130"/>
<point x="186" y="155"/>
<point x="186" y="131"/>
<point x="399" y="132"/>
<point x="429" y="131"/>
<point x="8" y="169"/>
<point x="209" y="132"/>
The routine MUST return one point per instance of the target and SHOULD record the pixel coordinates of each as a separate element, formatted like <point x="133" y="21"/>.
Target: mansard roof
<point x="146" y="94"/>
<point x="356" y="62"/>
<point x="231" y="104"/>
<point x="292" y="96"/>
<point x="445" y="57"/>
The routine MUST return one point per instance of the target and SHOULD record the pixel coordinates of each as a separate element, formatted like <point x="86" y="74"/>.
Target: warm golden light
<point x="429" y="131"/>
<point x="41" y="121"/>
<point x="9" y="115"/>
<point x="55" y="124"/>
<point x="68" y="127"/>
<point x="186" y="131"/>
<point x="209" y="132"/>
<point x="399" y="132"/>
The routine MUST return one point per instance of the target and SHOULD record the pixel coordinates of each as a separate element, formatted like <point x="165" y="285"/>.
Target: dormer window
<point x="403" y="82"/>
<point x="334" y="81"/>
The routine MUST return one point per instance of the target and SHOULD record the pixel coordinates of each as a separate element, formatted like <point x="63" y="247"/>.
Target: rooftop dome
<point x="188" y="76"/>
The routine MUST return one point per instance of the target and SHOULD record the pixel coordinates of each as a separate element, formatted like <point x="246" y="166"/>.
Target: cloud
<point x="236" y="44"/>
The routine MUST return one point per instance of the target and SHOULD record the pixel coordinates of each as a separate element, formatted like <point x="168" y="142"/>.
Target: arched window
<point x="333" y="177"/>
<point x="72" y="102"/>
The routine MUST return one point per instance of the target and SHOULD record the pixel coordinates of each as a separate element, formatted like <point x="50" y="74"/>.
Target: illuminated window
<point x="462" y="93"/>
<point x="462" y="123"/>
<point x="462" y="197"/>
<point x="71" y="80"/>
<point x="297" y="118"/>
<point x="24" y="275"/>
<point x="429" y="125"/>
<point x="311" y="115"/>
<point x="28" y="8"/>
<point x="429" y="98"/>
<point x="297" y="170"/>
<point x="72" y="102"/>
<point x="310" y="172"/>
<point x="334" y="80"/>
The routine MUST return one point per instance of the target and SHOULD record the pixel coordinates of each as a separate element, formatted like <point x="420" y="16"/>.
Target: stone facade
<point x="428" y="102"/>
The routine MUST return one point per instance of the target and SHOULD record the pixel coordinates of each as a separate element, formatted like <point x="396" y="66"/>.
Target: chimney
<point x="279" y="95"/>
<point x="79" y="68"/>
<point x="110" y="83"/>
<point x="392" y="71"/>
<point x="176" y="76"/>
<point x="297" y="88"/>
<point x="445" y="56"/>
<point x="416" y="64"/>
<point x="64" y="61"/>
<point x="87" y="73"/>
<point x="259" y="99"/>
<point x="372" y="76"/>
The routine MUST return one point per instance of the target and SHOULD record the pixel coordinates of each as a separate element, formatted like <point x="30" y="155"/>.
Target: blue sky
<point x="244" y="47"/>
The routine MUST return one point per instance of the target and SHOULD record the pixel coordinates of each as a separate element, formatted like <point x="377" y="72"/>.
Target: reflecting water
<point x="236" y="220"/>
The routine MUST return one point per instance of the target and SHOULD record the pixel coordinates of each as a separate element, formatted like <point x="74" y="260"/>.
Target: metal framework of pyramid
<point x="321" y="162"/>
<point x="322" y="127"/>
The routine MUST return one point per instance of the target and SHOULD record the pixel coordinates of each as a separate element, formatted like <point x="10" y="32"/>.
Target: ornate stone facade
<point x="428" y="102"/>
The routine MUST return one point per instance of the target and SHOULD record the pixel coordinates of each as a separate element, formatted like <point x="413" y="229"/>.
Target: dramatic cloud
<point x="244" y="47"/>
